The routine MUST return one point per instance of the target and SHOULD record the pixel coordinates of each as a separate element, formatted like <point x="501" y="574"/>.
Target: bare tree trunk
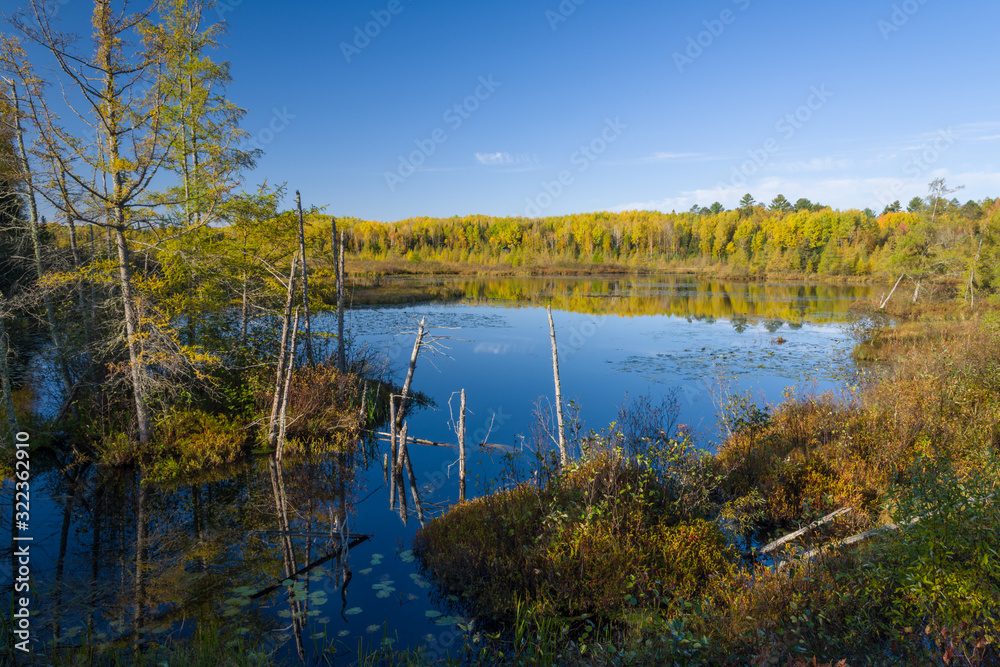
<point x="244" y="311"/>
<point x="563" y="456"/>
<point x="136" y="364"/>
<point x="81" y="292"/>
<point x="272" y="434"/>
<point x="409" y="373"/>
<point x="91" y="295"/>
<point x="289" y="369"/>
<point x="884" y="303"/>
<point x="341" y="354"/>
<point x="461" y="449"/>
<point x="305" y="278"/>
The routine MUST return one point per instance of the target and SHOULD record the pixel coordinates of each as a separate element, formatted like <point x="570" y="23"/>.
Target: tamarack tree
<point x="142" y="101"/>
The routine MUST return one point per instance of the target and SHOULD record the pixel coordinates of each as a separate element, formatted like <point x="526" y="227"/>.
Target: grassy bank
<point x="657" y="546"/>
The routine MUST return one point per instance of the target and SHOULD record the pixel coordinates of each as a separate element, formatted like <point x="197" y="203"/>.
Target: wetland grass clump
<point x="219" y="425"/>
<point x="611" y="530"/>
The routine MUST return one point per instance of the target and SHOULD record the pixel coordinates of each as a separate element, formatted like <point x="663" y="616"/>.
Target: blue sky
<point x="615" y="105"/>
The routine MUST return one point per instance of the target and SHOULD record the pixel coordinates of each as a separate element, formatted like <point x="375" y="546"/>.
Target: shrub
<point x="193" y="441"/>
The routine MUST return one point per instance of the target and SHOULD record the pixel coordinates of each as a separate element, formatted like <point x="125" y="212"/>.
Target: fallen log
<point x="431" y="443"/>
<point x="802" y="531"/>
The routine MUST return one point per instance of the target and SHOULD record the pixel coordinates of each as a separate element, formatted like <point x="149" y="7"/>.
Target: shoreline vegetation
<point x="647" y="550"/>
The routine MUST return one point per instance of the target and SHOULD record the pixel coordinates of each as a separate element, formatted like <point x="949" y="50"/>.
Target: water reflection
<point x="308" y="556"/>
<point x="680" y="296"/>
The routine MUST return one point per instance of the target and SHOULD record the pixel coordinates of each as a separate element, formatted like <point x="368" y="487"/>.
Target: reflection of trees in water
<point x="669" y="295"/>
<point x="134" y="558"/>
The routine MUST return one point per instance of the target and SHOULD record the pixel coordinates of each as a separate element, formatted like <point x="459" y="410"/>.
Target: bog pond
<point x="220" y="546"/>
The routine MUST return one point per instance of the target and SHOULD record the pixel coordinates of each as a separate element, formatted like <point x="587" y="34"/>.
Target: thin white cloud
<point x="504" y="159"/>
<point x="494" y="158"/>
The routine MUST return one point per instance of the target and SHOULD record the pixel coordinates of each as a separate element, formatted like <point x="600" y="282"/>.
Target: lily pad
<point x="373" y="628"/>
<point x="367" y="570"/>
<point x="430" y="613"/>
<point x="353" y="611"/>
<point x="343" y="633"/>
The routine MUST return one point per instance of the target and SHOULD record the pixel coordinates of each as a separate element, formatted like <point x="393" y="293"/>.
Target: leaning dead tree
<point x="289" y="370"/>
<point x="433" y="343"/>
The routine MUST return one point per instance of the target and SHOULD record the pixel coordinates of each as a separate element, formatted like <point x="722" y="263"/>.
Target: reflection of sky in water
<point x="503" y="361"/>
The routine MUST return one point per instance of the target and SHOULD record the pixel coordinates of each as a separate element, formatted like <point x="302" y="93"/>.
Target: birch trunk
<point x="409" y="373"/>
<point x="461" y="449"/>
<point x="563" y="456"/>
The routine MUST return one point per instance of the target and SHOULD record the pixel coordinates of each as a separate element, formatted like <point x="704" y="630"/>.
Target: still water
<point x="217" y="545"/>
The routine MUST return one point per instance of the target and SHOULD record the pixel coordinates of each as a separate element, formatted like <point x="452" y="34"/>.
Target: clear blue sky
<point x="901" y="93"/>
